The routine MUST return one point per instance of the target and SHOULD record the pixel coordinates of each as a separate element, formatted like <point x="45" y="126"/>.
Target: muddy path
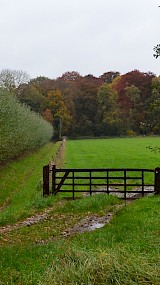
<point x="93" y="222"/>
<point x="87" y="224"/>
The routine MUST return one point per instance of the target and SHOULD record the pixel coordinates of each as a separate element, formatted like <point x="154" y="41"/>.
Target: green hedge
<point x="21" y="129"/>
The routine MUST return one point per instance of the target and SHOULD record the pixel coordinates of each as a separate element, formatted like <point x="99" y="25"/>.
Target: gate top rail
<point x="101" y="169"/>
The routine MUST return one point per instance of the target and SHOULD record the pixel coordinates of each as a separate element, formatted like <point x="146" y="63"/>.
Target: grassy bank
<point x="21" y="185"/>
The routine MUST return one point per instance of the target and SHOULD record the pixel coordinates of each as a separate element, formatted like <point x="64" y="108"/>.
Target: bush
<point x="21" y="129"/>
<point x="131" y="133"/>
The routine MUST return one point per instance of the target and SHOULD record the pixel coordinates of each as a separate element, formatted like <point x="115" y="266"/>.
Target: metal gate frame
<point x="68" y="177"/>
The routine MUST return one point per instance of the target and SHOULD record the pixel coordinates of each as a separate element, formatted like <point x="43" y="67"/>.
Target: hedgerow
<point x="21" y="129"/>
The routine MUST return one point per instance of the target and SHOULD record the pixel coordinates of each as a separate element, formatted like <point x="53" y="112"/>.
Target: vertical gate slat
<point x="73" y="184"/>
<point x="125" y="187"/>
<point x="90" y="182"/>
<point x="107" y="182"/>
<point x="142" y="183"/>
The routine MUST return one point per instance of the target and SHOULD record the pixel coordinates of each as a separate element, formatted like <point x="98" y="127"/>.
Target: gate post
<point x="46" y="180"/>
<point x="157" y="181"/>
<point x="54" y="179"/>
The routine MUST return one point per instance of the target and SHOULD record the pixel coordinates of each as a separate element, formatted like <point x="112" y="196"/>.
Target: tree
<point x="61" y="116"/>
<point x="136" y="108"/>
<point x="85" y="102"/>
<point x="153" y="114"/>
<point x="28" y="94"/>
<point x="108" y="113"/>
<point x="108" y="77"/>
<point x="43" y="84"/>
<point x="11" y="79"/>
<point x="140" y="80"/>
<point x="69" y="76"/>
<point x="47" y="115"/>
<point x="157" y="51"/>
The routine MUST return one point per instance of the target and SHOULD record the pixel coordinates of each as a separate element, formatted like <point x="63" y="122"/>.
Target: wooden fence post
<point x="157" y="181"/>
<point x="54" y="179"/>
<point x="46" y="180"/>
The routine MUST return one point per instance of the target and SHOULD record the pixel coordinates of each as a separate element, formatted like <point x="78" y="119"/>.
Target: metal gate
<point x="109" y="180"/>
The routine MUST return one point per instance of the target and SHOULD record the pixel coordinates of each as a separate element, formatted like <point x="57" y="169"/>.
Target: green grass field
<point x="113" y="153"/>
<point x="125" y="251"/>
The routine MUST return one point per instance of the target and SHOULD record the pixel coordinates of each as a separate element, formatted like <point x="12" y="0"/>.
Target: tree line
<point x="109" y="105"/>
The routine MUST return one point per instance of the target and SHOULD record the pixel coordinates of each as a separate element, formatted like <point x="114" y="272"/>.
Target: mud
<point x="92" y="223"/>
<point x="87" y="224"/>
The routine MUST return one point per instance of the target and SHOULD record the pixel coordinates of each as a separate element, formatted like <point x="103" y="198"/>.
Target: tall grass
<point x="104" y="268"/>
<point x="21" y="129"/>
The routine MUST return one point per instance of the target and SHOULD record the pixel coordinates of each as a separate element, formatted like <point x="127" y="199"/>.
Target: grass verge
<point x="21" y="185"/>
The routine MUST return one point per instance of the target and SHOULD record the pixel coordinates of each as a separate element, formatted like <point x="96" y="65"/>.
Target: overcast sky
<point x="48" y="38"/>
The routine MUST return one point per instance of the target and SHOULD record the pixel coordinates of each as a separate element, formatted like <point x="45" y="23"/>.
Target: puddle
<point x="95" y="226"/>
<point x="89" y="224"/>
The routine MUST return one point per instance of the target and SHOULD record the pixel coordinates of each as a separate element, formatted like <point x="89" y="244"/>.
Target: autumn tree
<point x="69" y="76"/>
<point x="61" y="116"/>
<point x="109" y="76"/>
<point x="69" y="90"/>
<point x="47" y="115"/>
<point x="140" y="80"/>
<point x="43" y="84"/>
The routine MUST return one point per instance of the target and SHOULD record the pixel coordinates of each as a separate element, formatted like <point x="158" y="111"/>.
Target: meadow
<point x="125" y="251"/>
<point x="113" y="153"/>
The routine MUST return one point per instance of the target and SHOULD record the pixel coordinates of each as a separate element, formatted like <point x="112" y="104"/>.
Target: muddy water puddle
<point x="89" y="224"/>
<point x="95" y="226"/>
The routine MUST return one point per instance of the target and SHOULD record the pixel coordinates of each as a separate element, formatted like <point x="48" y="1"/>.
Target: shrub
<point x="131" y="133"/>
<point x="21" y="129"/>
